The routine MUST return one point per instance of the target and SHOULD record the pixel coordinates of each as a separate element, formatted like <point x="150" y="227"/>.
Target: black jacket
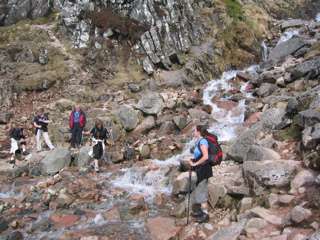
<point x="17" y="133"/>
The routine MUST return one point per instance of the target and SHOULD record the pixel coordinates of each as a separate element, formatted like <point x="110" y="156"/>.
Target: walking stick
<point x="188" y="208"/>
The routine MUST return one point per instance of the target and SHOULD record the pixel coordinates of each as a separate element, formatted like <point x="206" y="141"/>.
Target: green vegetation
<point x="291" y="133"/>
<point x="234" y="9"/>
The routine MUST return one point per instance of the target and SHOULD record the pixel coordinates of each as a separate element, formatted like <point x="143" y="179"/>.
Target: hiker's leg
<point x="73" y="136"/>
<point x="47" y="140"/>
<point x="38" y="138"/>
<point x="79" y="132"/>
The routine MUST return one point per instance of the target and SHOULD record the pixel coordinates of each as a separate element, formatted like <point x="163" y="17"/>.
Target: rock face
<point x="160" y="228"/>
<point x="55" y="160"/>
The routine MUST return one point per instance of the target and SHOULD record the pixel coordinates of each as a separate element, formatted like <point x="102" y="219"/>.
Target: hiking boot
<point x="96" y="168"/>
<point x="196" y="214"/>
<point x="205" y="218"/>
<point x="12" y="161"/>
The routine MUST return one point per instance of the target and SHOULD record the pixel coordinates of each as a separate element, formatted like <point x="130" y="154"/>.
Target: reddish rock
<point x="153" y="167"/>
<point x="66" y="221"/>
<point x="249" y="87"/>
<point x="254" y="117"/>
<point x="160" y="228"/>
<point x="113" y="214"/>
<point x="34" y="216"/>
<point x="21" y="200"/>
<point x="11" y="201"/>
<point x="228" y="105"/>
<point x="26" y="189"/>
<point x="3" y="179"/>
<point x="55" y="217"/>
<point x="154" y="154"/>
<point x="65" y="198"/>
<point x="113" y="167"/>
<point x="136" y="196"/>
<point x="87" y="194"/>
<point x="41" y="185"/>
<point x="73" y="187"/>
<point x="84" y="182"/>
<point x="207" y="108"/>
<point x="243" y="76"/>
<point x="53" y="205"/>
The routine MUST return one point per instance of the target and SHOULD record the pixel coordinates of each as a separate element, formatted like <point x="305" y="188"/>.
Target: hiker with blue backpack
<point x="203" y="171"/>
<point x="99" y="137"/>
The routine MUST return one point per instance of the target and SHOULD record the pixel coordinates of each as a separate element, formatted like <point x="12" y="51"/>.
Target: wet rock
<point x="55" y="160"/>
<point x="150" y="103"/>
<point x="266" y="215"/>
<point x="82" y="159"/>
<point x="43" y="225"/>
<point x="230" y="233"/>
<point x="291" y="24"/>
<point x="18" y="172"/>
<point x="160" y="228"/>
<point x="303" y="178"/>
<point x="3" y="226"/>
<point x="128" y="116"/>
<point x="299" y="214"/>
<point x="244" y="76"/>
<point x="257" y="153"/>
<point x="66" y="221"/>
<point x="36" y="171"/>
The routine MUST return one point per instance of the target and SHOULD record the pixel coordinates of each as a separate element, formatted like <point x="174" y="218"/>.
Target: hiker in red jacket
<point x="77" y="122"/>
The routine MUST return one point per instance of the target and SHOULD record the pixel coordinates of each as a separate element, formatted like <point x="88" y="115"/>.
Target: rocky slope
<point x="148" y="87"/>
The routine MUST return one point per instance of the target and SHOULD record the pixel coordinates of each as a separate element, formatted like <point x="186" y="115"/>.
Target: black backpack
<point x="215" y="151"/>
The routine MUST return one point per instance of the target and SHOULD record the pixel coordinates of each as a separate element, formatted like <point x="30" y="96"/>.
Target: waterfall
<point x="317" y="17"/>
<point x="149" y="183"/>
<point x="265" y="51"/>
<point x="288" y="35"/>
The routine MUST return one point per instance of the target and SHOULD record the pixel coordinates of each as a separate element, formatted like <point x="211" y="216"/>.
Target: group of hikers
<point x="77" y="122"/>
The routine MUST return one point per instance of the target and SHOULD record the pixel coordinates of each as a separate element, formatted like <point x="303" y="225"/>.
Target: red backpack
<point x="215" y="151"/>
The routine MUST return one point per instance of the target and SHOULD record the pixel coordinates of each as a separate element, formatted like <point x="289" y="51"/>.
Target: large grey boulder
<point x="128" y="116"/>
<point x="278" y="55"/>
<point x="4" y="117"/>
<point x="303" y="178"/>
<point x="269" y="173"/>
<point x="303" y="69"/>
<point x="181" y="183"/>
<point x="291" y="23"/>
<point x="174" y="79"/>
<point x="230" y="233"/>
<point x="55" y="160"/>
<point x="299" y="214"/>
<point x="148" y="66"/>
<point x="150" y="103"/>
<point x="181" y="121"/>
<point x="82" y="159"/>
<point x="266" y="89"/>
<point x="257" y="153"/>
<point x="308" y="118"/>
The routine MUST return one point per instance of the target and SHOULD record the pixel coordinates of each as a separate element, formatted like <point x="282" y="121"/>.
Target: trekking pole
<point x="188" y="207"/>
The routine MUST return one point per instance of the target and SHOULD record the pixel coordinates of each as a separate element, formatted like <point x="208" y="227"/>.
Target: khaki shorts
<point x="201" y="192"/>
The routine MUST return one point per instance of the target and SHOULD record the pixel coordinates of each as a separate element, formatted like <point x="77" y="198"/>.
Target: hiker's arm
<point x="36" y="125"/>
<point x="205" y="155"/>
<point x="85" y="133"/>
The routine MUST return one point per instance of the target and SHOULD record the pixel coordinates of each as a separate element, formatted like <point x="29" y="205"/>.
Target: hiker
<point x="41" y="122"/>
<point x="18" y="142"/>
<point x="77" y="122"/>
<point x="98" y="141"/>
<point x="203" y="172"/>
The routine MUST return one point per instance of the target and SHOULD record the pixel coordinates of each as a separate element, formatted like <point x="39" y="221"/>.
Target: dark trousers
<point x="98" y="150"/>
<point x="76" y="131"/>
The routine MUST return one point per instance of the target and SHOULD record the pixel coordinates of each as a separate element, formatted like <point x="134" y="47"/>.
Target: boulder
<point x="181" y="121"/>
<point x="128" y="116"/>
<point x="269" y="173"/>
<point x="150" y="103"/>
<point x="182" y="183"/>
<point x="244" y="204"/>
<point x="308" y="118"/>
<point x="304" y="68"/>
<point x="257" y="153"/>
<point x="266" y="215"/>
<point x="82" y="159"/>
<point x="258" y="223"/>
<point x="291" y="24"/>
<point x="303" y="178"/>
<point x="148" y="66"/>
<point x="4" y="118"/>
<point x="213" y="195"/>
<point x="147" y="124"/>
<point x="231" y="233"/>
<point x="199" y="114"/>
<point x="55" y="160"/>
<point x="299" y="214"/>
<point x="266" y="89"/>
<point x="174" y="79"/>
<point x="278" y="55"/>
<point x="160" y="228"/>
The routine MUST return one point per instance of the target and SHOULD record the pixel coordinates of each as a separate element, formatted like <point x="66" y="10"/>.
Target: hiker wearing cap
<point x="100" y="135"/>
<point x="77" y="122"/>
<point x="18" y="141"/>
<point x="41" y="122"/>
<point x="203" y="172"/>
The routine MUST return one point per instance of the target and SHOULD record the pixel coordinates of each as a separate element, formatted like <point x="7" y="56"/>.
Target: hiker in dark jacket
<point x="41" y="122"/>
<point x="203" y="172"/>
<point x="77" y="122"/>
<point x="99" y="136"/>
<point x="18" y="141"/>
